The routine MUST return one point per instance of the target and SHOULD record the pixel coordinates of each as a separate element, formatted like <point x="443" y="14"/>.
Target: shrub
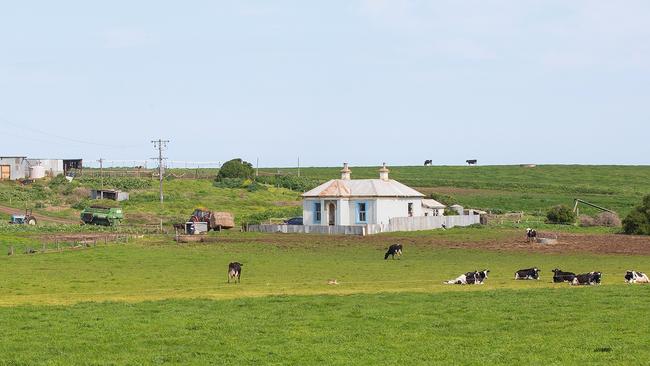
<point x="235" y="168"/>
<point x="450" y="212"/>
<point x="586" y="221"/>
<point x="638" y="221"/>
<point x="229" y="183"/>
<point x="608" y="219"/>
<point x="445" y="199"/>
<point x="561" y="214"/>
<point x="254" y="187"/>
<point x="292" y="182"/>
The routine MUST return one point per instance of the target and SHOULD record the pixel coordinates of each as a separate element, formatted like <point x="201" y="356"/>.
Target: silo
<point x="36" y="172"/>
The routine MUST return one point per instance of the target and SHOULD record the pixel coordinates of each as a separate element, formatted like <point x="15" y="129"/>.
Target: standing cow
<point x="234" y="271"/>
<point x="394" y="250"/>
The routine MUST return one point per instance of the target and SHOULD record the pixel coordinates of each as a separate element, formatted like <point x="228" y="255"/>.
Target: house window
<point x="317" y="213"/>
<point x="361" y="212"/>
<point x="410" y="209"/>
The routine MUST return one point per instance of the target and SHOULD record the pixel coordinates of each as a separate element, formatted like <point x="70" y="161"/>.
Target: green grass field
<point x="155" y="302"/>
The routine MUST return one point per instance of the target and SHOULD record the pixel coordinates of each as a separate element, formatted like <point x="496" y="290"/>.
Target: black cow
<point x="234" y="271"/>
<point x="471" y="161"/>
<point x="470" y="278"/>
<point x="636" y="277"/>
<point x="591" y="278"/>
<point x="527" y="274"/>
<point x="531" y="235"/>
<point x="428" y="162"/>
<point x="561" y="276"/>
<point x="393" y="250"/>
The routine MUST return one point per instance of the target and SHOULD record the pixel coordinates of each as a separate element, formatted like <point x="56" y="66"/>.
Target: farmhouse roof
<point x="429" y="203"/>
<point x="362" y="188"/>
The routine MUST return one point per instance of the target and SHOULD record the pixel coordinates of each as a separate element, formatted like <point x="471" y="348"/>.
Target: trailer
<point x="100" y="215"/>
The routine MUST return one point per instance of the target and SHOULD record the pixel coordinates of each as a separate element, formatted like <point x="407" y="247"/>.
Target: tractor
<point x="27" y="219"/>
<point x="215" y="220"/>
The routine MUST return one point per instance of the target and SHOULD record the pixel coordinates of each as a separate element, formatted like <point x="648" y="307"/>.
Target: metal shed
<point x="109" y="194"/>
<point x="13" y="167"/>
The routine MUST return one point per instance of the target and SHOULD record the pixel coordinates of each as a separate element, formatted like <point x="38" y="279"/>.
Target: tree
<point x="236" y="168"/>
<point x="638" y="221"/>
<point x="561" y="214"/>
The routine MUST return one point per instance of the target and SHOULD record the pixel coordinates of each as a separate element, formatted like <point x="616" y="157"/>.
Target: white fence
<point x="395" y="224"/>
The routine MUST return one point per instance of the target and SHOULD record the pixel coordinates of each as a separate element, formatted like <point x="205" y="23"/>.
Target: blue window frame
<point x="362" y="213"/>
<point x="317" y="213"/>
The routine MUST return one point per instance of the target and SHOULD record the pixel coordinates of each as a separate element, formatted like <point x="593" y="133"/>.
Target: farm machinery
<point x="203" y="220"/>
<point x="99" y="215"/>
<point x="27" y="219"/>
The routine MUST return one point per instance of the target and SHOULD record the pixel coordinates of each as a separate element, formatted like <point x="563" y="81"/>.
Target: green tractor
<point x="27" y="219"/>
<point x="99" y="215"/>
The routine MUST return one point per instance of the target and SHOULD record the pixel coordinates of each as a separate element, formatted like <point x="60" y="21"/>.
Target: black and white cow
<point x="234" y="271"/>
<point x="561" y="276"/>
<point x="470" y="278"/>
<point x="591" y="278"/>
<point x="394" y="250"/>
<point x="527" y="274"/>
<point x="636" y="277"/>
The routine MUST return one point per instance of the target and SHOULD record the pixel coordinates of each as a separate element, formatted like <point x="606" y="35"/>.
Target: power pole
<point x="257" y="169"/>
<point x="160" y="145"/>
<point x="299" y="166"/>
<point x="101" y="172"/>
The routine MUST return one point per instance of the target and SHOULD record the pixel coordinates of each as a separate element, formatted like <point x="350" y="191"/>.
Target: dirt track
<point x="39" y="217"/>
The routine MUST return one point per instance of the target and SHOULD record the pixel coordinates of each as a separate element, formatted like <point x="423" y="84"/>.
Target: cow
<point x="531" y="235"/>
<point x="636" y="277"/>
<point x="591" y="278"/>
<point x="234" y="271"/>
<point x="470" y="278"/>
<point x="428" y="162"/>
<point x="561" y="276"/>
<point x="527" y="274"/>
<point x="471" y="161"/>
<point x="393" y="250"/>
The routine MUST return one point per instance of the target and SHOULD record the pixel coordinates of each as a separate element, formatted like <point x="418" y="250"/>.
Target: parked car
<point x="294" y="221"/>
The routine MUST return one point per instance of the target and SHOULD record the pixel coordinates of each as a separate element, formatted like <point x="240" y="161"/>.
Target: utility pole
<point x="299" y="166"/>
<point x="160" y="145"/>
<point x="101" y="172"/>
<point x="257" y="169"/>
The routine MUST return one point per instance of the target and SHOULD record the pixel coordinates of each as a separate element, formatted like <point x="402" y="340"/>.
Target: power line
<point x="160" y="145"/>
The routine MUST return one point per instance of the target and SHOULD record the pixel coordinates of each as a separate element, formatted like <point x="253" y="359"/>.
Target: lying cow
<point x="470" y="278"/>
<point x="234" y="271"/>
<point x="591" y="278"/>
<point x="394" y="250"/>
<point x="561" y="276"/>
<point x="636" y="277"/>
<point x="527" y="274"/>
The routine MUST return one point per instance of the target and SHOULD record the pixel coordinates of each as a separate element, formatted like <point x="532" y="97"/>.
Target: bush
<point x="292" y="182"/>
<point x="229" y="183"/>
<point x="561" y="214"/>
<point x="445" y="199"/>
<point x="638" y="221"/>
<point x="450" y="212"/>
<point x="235" y="168"/>
<point x="608" y="219"/>
<point x="586" y="221"/>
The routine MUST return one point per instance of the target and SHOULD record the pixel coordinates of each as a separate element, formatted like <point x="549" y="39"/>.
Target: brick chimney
<point x="345" y="172"/>
<point x="383" y="173"/>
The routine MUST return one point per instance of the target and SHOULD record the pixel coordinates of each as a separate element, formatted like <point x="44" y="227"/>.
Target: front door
<point x="5" y="172"/>
<point x="331" y="212"/>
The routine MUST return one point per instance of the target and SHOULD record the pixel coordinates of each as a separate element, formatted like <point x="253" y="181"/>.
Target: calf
<point x="394" y="250"/>
<point x="636" y="277"/>
<point x="527" y="274"/>
<point x="591" y="278"/>
<point x="234" y="271"/>
<point x="470" y="278"/>
<point x="561" y="276"/>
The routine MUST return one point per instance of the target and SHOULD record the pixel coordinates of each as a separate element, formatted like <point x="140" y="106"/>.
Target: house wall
<point x="433" y="211"/>
<point x="389" y="208"/>
<point x="378" y="210"/>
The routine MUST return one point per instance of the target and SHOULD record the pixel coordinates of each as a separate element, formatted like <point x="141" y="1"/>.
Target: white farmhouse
<point x="350" y="202"/>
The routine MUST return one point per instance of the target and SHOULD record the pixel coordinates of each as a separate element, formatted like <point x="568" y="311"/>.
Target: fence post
<point x="11" y="250"/>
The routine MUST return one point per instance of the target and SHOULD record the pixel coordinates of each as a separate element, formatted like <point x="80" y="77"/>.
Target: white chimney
<point x="345" y="172"/>
<point x="383" y="173"/>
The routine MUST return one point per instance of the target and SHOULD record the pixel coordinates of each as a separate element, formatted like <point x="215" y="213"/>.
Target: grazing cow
<point x="527" y="274"/>
<point x="591" y="278"/>
<point x="636" y="277"/>
<point x="234" y="271"/>
<point x="471" y="161"/>
<point x="470" y="278"/>
<point x="561" y="276"/>
<point x="428" y="162"/>
<point x="393" y="250"/>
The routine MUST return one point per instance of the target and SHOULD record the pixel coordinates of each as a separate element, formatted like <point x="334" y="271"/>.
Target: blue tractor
<point x="27" y="219"/>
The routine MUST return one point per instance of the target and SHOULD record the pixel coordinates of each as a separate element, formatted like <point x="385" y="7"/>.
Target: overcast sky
<point x="330" y="81"/>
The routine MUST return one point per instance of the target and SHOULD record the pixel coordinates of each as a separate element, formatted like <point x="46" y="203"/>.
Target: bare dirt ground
<point x="39" y="217"/>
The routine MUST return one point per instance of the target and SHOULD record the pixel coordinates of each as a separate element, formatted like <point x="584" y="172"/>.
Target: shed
<point x="109" y="194"/>
<point x="13" y="167"/>
<point x="432" y="207"/>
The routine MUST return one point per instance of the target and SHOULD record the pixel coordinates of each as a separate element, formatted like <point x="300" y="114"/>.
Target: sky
<point x="326" y="82"/>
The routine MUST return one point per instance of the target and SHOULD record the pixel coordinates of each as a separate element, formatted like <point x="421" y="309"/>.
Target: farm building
<point x="349" y="201"/>
<point x="21" y="167"/>
<point x="108" y="194"/>
<point x="13" y="167"/>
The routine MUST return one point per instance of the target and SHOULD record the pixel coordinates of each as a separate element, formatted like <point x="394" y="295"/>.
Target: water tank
<point x="36" y="172"/>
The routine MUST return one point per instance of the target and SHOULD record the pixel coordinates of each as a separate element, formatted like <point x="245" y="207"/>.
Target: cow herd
<point x="479" y="277"/>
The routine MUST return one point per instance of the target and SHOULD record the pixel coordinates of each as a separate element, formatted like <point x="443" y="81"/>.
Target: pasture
<point x="152" y="301"/>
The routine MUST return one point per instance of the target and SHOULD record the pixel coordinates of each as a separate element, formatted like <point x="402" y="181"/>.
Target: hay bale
<point x="224" y="219"/>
